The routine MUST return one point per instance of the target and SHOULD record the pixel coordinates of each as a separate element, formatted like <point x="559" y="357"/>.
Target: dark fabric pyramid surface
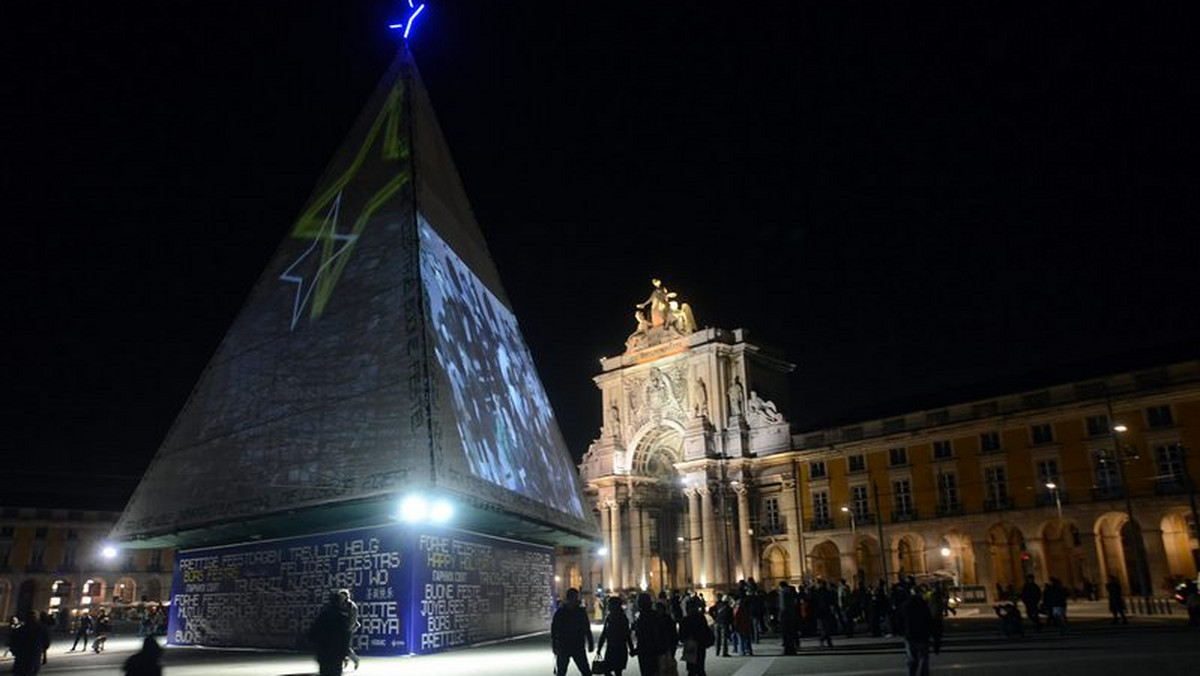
<point x="377" y="354"/>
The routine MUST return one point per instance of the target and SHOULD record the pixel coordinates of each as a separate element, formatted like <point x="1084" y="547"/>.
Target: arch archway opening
<point x="827" y="561"/>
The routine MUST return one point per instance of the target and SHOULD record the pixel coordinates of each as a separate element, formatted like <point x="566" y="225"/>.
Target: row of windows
<point x="1106" y="479"/>
<point x="70" y="558"/>
<point x="989" y="442"/>
<point x="39" y="533"/>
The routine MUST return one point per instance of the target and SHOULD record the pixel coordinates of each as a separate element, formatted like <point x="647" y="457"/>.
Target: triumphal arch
<point x="684" y="409"/>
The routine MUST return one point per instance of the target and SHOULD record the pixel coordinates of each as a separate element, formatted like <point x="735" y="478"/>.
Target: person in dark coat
<point x="722" y="614"/>
<point x="696" y="636"/>
<point x="1116" y="604"/>
<point x="619" y="637"/>
<point x="146" y="661"/>
<point x="914" y="621"/>
<point x="789" y="618"/>
<point x="824" y="605"/>
<point x="1031" y="596"/>
<point x="26" y="644"/>
<point x="651" y="643"/>
<point x="83" y="629"/>
<point x="569" y="630"/>
<point x="1054" y="596"/>
<point x="330" y="636"/>
<point x="103" y="625"/>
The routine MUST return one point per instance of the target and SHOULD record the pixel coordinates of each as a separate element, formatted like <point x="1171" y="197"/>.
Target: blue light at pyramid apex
<point x="414" y="10"/>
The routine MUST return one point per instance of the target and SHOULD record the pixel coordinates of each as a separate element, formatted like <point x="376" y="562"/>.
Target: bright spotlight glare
<point x="414" y="509"/>
<point x="109" y="552"/>
<point x="1120" y="428"/>
<point x="945" y="551"/>
<point x="603" y="551"/>
<point x="441" y="511"/>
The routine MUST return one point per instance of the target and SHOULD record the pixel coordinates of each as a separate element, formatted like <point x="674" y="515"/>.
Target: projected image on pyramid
<point x="502" y="413"/>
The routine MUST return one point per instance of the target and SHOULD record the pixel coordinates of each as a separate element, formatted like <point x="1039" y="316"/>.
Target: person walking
<point x="742" y="621"/>
<point x="914" y="621"/>
<point x="27" y="643"/>
<point x="1055" y="598"/>
<point x="350" y="609"/>
<point x="569" y="629"/>
<point x="330" y="636"/>
<point x="1031" y="597"/>
<point x="103" y="624"/>
<point x="697" y="637"/>
<point x="146" y="661"/>
<point x="651" y="644"/>
<point x="83" y="629"/>
<point x="824" y="604"/>
<point x="789" y="618"/>
<point x="1116" y="604"/>
<point x="618" y="635"/>
<point x="723" y="620"/>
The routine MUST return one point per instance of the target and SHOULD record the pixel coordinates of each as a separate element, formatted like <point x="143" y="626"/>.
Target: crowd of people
<point x="659" y="632"/>
<point x="29" y="642"/>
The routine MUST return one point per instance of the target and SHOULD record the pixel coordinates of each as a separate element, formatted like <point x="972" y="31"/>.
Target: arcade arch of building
<point x="697" y="481"/>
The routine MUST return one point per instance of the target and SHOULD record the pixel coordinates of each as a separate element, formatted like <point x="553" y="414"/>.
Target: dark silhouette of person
<point x="48" y="622"/>
<point x="146" y="661"/>
<point x="103" y="624"/>
<point x="722" y="614"/>
<point x="648" y="629"/>
<point x="350" y="609"/>
<point x="789" y="618"/>
<point x="1031" y="597"/>
<point x="914" y="621"/>
<point x="330" y="636"/>
<point x="618" y="635"/>
<point x="83" y="629"/>
<point x="569" y="630"/>
<point x="27" y="643"/>
<point x="1116" y="604"/>
<point x="1054" y="596"/>
<point x="824" y="603"/>
<point x="696" y="635"/>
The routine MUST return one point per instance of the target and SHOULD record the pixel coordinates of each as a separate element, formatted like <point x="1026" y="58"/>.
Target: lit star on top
<point x="414" y="10"/>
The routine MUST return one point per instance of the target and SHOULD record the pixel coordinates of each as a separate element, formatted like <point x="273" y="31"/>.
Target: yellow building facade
<point x="698" y="480"/>
<point x="51" y="560"/>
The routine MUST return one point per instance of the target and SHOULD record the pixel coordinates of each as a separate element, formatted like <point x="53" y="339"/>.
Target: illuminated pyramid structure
<point x="377" y="356"/>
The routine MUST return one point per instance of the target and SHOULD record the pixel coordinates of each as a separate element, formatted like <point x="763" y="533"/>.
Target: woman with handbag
<point x="618" y="636"/>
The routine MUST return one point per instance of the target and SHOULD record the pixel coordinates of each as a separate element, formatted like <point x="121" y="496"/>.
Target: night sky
<point x="913" y="202"/>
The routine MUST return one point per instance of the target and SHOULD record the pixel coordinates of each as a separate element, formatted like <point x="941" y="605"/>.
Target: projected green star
<point x="358" y="193"/>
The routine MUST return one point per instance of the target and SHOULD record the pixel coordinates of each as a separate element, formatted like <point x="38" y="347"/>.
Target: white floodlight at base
<point x="603" y="551"/>
<point x="414" y="509"/>
<point x="108" y="552"/>
<point x="441" y="511"/>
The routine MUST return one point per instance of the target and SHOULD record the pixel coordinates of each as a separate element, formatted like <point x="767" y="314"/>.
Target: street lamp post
<point x="853" y="527"/>
<point x="947" y="553"/>
<point x="1120" y="458"/>
<point x="1057" y="502"/>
